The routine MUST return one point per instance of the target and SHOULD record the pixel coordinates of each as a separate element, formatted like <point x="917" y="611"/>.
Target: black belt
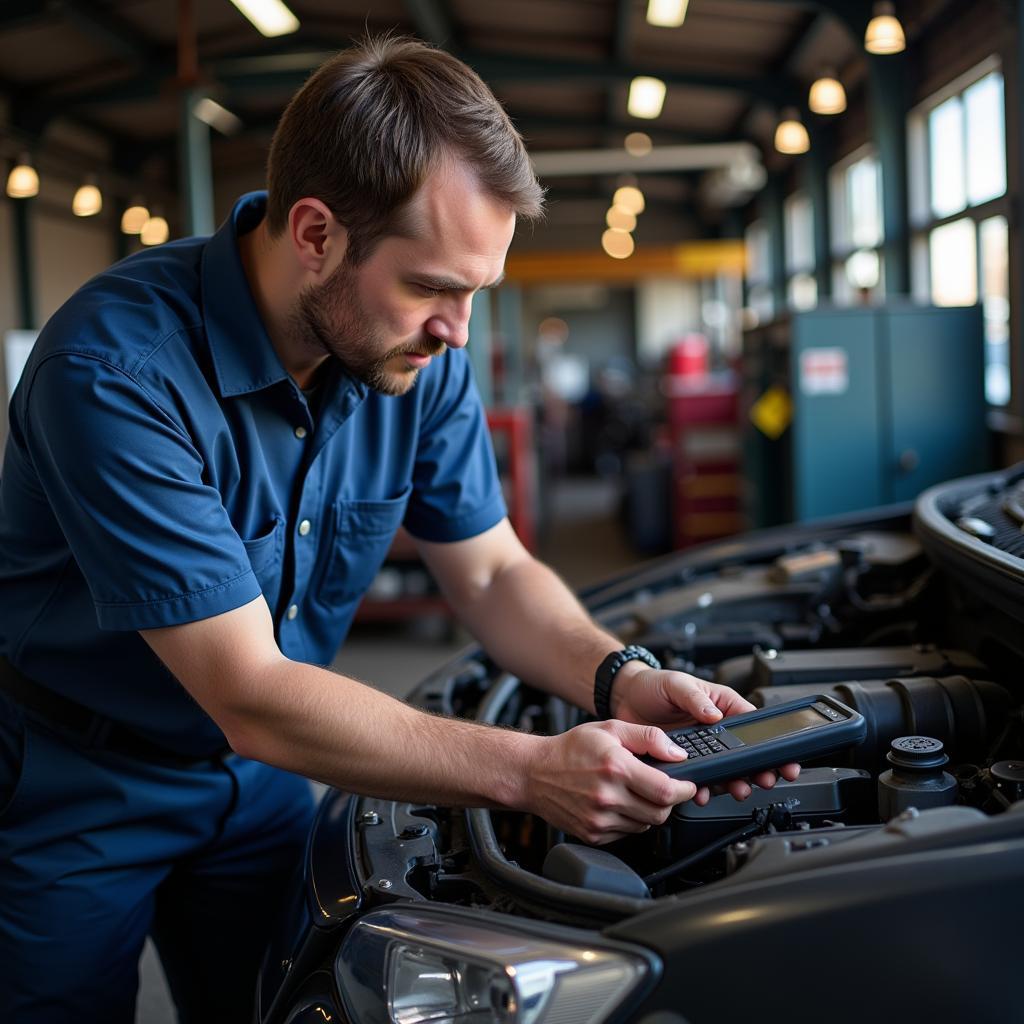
<point x="86" y="728"/>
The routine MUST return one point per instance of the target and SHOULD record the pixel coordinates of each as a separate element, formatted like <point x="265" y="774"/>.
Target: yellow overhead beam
<point x="688" y="259"/>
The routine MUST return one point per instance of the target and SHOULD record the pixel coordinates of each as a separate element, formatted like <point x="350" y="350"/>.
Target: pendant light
<point x="134" y="218"/>
<point x="23" y="181"/>
<point x="884" y="33"/>
<point x="155" y="231"/>
<point x="791" y="136"/>
<point x="88" y="199"/>
<point x="827" y="95"/>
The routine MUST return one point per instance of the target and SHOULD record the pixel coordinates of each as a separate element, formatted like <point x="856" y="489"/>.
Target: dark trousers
<point x="99" y="850"/>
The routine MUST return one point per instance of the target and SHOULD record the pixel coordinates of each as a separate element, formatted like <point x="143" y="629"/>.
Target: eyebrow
<point x="448" y="284"/>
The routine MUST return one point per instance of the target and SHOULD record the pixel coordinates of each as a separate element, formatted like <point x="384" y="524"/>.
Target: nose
<point x="452" y="325"/>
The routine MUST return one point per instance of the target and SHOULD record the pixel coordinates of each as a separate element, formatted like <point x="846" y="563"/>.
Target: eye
<point x="427" y="289"/>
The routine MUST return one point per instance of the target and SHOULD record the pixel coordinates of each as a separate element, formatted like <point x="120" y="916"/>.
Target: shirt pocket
<point x="363" y="531"/>
<point x="265" y="558"/>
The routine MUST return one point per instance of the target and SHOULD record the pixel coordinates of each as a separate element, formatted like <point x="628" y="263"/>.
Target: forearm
<point x="530" y="623"/>
<point x="339" y="731"/>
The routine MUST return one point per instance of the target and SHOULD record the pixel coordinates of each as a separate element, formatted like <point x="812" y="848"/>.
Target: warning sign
<point x="824" y="371"/>
<point x="772" y="412"/>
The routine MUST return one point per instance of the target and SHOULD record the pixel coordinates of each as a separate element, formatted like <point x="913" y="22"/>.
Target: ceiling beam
<point x="505" y="67"/>
<point x="15" y="13"/>
<point x="793" y="51"/>
<point x="432" y="22"/>
<point x="113" y="32"/>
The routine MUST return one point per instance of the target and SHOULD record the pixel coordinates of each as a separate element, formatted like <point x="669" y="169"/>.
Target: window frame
<point x="923" y="221"/>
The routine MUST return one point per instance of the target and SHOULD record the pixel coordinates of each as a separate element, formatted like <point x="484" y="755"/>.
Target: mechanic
<point x="211" y="448"/>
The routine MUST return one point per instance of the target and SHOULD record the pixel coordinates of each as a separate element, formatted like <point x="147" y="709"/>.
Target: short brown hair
<point x="370" y="124"/>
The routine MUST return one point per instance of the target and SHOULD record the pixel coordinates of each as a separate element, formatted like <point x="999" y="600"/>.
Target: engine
<point x="883" y="613"/>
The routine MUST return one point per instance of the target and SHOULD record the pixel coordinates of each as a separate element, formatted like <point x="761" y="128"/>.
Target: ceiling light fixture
<point x="23" y="181"/>
<point x="134" y="218"/>
<point x="630" y="198"/>
<point x="827" y="95"/>
<point x="88" y="199"/>
<point x="646" y="97"/>
<point x="155" y="231"/>
<point x="212" y="113"/>
<point x="791" y="136"/>
<point x="270" y="17"/>
<point x="666" y="13"/>
<point x="618" y="244"/>
<point x="884" y="33"/>
<point x="638" y="144"/>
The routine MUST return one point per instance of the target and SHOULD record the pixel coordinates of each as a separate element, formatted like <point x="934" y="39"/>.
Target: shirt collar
<point x="244" y="359"/>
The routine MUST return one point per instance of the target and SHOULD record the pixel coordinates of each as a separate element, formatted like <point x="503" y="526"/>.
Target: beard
<point x="330" y="318"/>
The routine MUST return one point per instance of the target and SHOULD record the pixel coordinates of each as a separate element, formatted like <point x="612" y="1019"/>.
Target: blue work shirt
<point x="162" y="467"/>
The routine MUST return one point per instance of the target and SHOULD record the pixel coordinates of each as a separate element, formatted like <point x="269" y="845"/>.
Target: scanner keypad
<point x="698" y="742"/>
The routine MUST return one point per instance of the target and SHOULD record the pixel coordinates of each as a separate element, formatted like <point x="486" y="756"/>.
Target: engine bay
<point x="913" y="618"/>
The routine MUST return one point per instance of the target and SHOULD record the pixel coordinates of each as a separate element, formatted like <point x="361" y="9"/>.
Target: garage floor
<point x="584" y="545"/>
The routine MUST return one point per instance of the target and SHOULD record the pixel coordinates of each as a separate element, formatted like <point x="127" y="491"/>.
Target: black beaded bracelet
<point x="606" y="672"/>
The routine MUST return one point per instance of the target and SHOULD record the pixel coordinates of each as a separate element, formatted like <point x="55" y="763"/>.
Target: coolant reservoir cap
<point x="916" y="753"/>
<point x="1008" y="771"/>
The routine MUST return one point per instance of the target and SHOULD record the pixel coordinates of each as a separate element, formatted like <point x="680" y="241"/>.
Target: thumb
<point x="648" y="739"/>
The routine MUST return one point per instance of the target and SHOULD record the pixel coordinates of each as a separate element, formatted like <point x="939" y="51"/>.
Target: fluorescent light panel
<point x="271" y="17"/>
<point x="666" y="13"/>
<point x="646" y="97"/>
<point x="212" y="113"/>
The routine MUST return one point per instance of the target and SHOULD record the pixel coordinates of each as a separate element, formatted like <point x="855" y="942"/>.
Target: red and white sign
<point x="824" y="371"/>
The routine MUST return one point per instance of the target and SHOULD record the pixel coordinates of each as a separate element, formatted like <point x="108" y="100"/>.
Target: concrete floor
<point x="584" y="544"/>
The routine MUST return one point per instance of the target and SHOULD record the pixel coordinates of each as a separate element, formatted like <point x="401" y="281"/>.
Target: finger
<point x="648" y="739"/>
<point x="657" y="789"/>
<point x="689" y="695"/>
<point x="728" y="701"/>
<point x="766" y="780"/>
<point x="616" y="826"/>
<point x="702" y="796"/>
<point x="790" y="772"/>
<point x="739" y="788"/>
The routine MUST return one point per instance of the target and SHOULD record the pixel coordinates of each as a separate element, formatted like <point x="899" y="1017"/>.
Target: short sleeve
<point x="152" y="539"/>
<point x="456" y="490"/>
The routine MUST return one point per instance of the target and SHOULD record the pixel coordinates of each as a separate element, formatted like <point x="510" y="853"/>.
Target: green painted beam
<point x="887" y="91"/>
<point x="771" y="207"/>
<point x="497" y="67"/>
<point x="814" y="179"/>
<point x="25" y="283"/>
<point x="194" y="167"/>
<point x="115" y="33"/>
<point x="15" y="13"/>
<point x="433" y="22"/>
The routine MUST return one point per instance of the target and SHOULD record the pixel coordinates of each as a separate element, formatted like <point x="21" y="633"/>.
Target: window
<point x="959" y="209"/>
<point x="760" y="302"/>
<point x="855" y="186"/>
<point x="801" y="287"/>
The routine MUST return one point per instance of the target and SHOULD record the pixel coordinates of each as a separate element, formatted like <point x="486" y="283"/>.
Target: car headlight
<point x="416" y="966"/>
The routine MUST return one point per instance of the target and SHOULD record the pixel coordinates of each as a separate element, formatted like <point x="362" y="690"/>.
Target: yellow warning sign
<point x="772" y="412"/>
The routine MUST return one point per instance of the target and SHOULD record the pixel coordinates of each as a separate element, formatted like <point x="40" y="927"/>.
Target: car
<point x="886" y="883"/>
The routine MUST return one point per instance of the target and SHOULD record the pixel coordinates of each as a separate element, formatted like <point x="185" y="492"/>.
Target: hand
<point x="587" y="781"/>
<point x="675" y="700"/>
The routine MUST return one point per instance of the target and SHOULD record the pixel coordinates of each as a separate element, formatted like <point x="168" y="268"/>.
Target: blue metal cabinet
<point x="887" y="401"/>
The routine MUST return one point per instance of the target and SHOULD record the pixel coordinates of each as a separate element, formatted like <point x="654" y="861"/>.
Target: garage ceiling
<point x="561" y="67"/>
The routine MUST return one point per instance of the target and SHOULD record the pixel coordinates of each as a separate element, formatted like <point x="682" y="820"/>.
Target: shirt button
<point x="304" y="527"/>
<point x="293" y="611"/>
<point x="300" y="432"/>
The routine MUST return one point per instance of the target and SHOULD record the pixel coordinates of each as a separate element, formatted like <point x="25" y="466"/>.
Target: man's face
<point x="385" y="319"/>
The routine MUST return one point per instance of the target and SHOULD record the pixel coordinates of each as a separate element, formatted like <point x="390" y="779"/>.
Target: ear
<point x="317" y="239"/>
